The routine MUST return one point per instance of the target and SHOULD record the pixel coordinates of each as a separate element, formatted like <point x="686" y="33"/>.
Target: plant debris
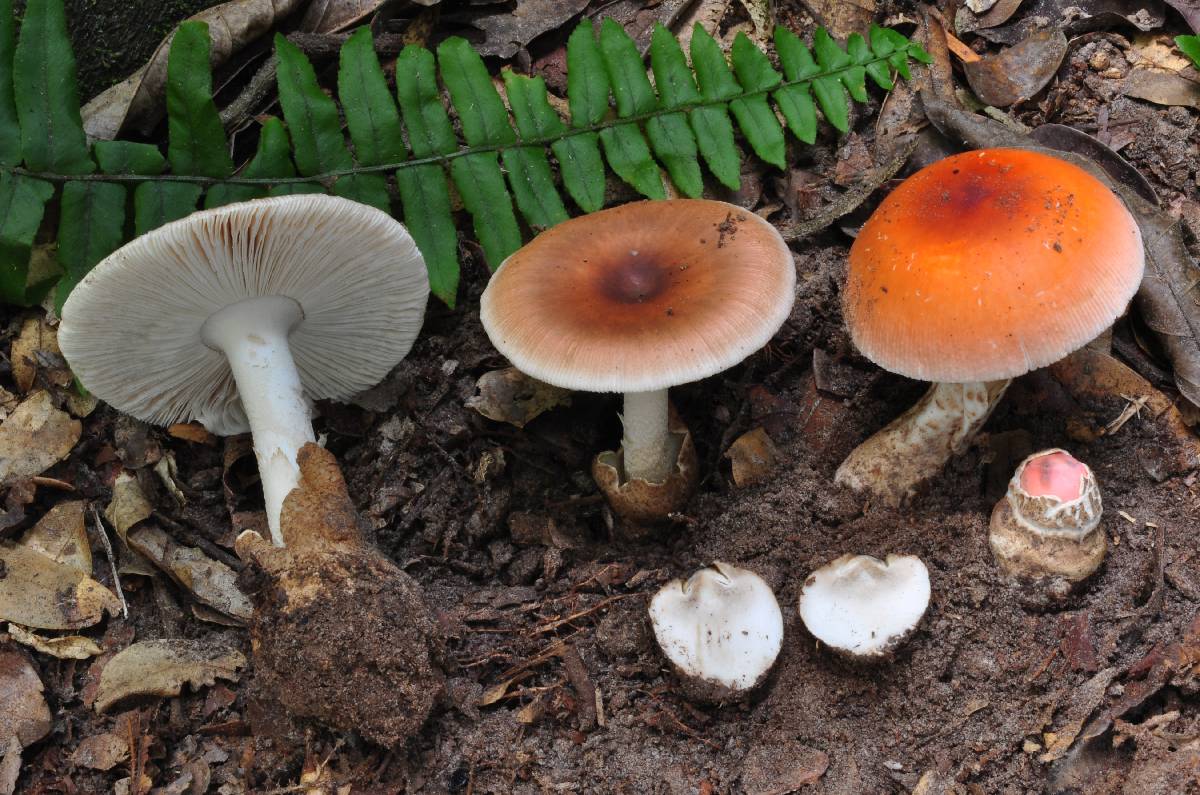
<point x="163" y="667"/>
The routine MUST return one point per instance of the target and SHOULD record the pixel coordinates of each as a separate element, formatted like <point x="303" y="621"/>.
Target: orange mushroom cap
<point x="641" y="297"/>
<point x="989" y="264"/>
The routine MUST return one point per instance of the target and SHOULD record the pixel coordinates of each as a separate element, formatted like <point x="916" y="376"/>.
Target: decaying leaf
<point x="1019" y="72"/>
<point x="101" y="751"/>
<point x="39" y="592"/>
<point x="35" y="437"/>
<point x="510" y="396"/>
<point x="138" y="101"/>
<point x="330" y="16"/>
<point x="10" y="765"/>
<point x="128" y="505"/>
<point x="1189" y="10"/>
<point x="192" y="432"/>
<point x="1162" y="88"/>
<point x="61" y="536"/>
<point x="753" y="457"/>
<point x="68" y="647"/>
<point x="508" y="30"/>
<point x="843" y="17"/>
<point x="23" y="710"/>
<point x="1073" y="17"/>
<point x="36" y="350"/>
<point x="8" y="402"/>
<point x="210" y="581"/>
<point x="163" y="667"/>
<point x="1084" y="701"/>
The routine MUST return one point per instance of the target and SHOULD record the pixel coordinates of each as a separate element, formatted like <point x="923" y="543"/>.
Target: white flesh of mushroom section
<point x="253" y="335"/>
<point x="864" y="606"/>
<point x="722" y="625"/>
<point x="916" y="445"/>
<point x="646" y="442"/>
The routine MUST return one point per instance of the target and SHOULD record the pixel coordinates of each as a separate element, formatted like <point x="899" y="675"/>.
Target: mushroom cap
<point x="723" y="625"/>
<point x="641" y="297"/>
<point x="131" y="329"/>
<point x="863" y="606"/>
<point x="989" y="264"/>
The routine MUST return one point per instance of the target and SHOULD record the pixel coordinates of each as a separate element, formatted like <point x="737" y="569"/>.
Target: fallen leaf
<point x="163" y="667"/>
<point x="780" y="766"/>
<point x="35" y="437"/>
<point x="510" y="396"/>
<point x="330" y="16"/>
<point x="23" y="710"/>
<point x="192" y="432"/>
<point x="1019" y="72"/>
<point x="753" y="457"/>
<point x="1161" y="88"/>
<point x="100" y="751"/>
<point x="512" y="29"/>
<point x="1083" y="702"/>
<point x="61" y="536"/>
<point x="8" y="402"/>
<point x="1069" y="139"/>
<point x="843" y="17"/>
<point x="10" y="765"/>
<point x="210" y="581"/>
<point x="139" y="100"/>
<point x="36" y="349"/>
<point x="168" y="474"/>
<point x="1073" y="17"/>
<point x="1189" y="10"/>
<point x="38" y="591"/>
<point x="67" y="647"/>
<point x="128" y="505"/>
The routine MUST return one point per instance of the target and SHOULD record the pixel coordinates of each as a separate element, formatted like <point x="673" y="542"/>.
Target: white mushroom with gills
<point x="236" y="317"/>
<point x="721" y="629"/>
<point x="1048" y="524"/>
<point x="975" y="270"/>
<point x="637" y="299"/>
<point x="863" y="607"/>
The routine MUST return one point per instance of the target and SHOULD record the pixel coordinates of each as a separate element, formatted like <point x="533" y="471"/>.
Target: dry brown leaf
<point x="1161" y="88"/>
<point x="128" y="505"/>
<point x="510" y="396"/>
<point x="36" y="349"/>
<point x="210" y="581"/>
<point x="8" y="403"/>
<point x="192" y="432"/>
<point x="1019" y="72"/>
<point x="39" y="592"/>
<point x="753" y="456"/>
<point x="1190" y="10"/>
<point x="507" y="31"/>
<point x="843" y="17"/>
<point x="101" y="751"/>
<point x="1084" y="700"/>
<point x="330" y="16"/>
<point x="138" y="101"/>
<point x="10" y="765"/>
<point x="163" y="667"/>
<point x="35" y="437"/>
<point x="23" y="710"/>
<point x="61" y="536"/>
<point x="68" y="647"/>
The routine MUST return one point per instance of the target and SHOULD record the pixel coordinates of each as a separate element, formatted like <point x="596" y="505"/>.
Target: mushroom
<point x="1048" y="524"/>
<point x="863" y="607"/>
<point x="721" y="630"/>
<point x="636" y="299"/>
<point x="237" y="316"/>
<point x="975" y="270"/>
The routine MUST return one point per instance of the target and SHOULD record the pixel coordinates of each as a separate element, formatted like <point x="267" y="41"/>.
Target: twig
<point x="112" y="561"/>
<point x="258" y="89"/>
<point x="328" y="45"/>
<point x="603" y="603"/>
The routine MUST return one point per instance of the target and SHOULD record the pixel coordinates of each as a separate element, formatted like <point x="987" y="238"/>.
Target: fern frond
<point x="646" y="132"/>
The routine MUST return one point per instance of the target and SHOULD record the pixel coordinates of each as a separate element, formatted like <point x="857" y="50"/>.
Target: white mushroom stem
<point x="253" y="335"/>
<point x="646" y="446"/>
<point x="916" y="445"/>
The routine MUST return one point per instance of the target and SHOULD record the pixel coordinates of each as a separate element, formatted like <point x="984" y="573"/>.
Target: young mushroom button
<point x="237" y="316"/>
<point x="636" y="299"/>
<point x="978" y="269"/>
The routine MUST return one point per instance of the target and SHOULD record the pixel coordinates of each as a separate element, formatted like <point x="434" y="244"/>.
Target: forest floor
<point x="554" y="680"/>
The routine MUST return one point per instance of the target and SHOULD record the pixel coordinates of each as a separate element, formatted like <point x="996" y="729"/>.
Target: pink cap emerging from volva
<point x="1056" y="473"/>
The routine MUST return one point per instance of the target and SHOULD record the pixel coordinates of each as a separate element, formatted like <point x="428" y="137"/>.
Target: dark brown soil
<point x="553" y="683"/>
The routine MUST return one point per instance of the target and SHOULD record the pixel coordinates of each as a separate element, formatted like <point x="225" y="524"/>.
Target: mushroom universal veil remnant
<point x="978" y="269"/>
<point x="637" y="299"/>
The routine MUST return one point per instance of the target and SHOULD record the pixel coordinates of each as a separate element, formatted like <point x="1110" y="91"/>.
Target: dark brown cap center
<point x="634" y="281"/>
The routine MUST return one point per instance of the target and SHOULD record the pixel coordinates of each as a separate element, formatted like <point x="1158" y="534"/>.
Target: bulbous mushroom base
<point x="1029" y="555"/>
<point x="340" y="634"/>
<point x="643" y="503"/>
<point x="915" y="446"/>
